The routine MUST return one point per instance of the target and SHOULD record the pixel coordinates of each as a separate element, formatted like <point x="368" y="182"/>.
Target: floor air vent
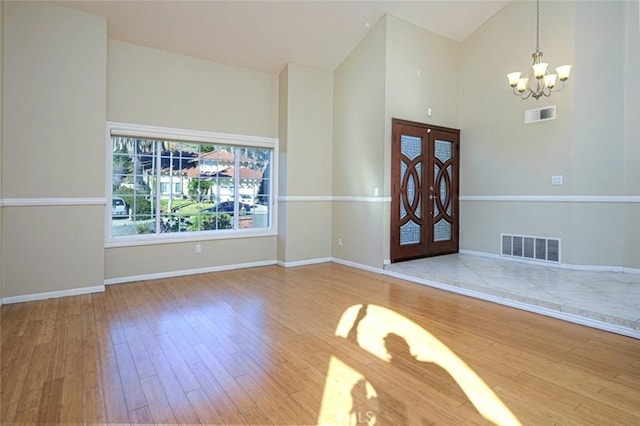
<point x="533" y="248"/>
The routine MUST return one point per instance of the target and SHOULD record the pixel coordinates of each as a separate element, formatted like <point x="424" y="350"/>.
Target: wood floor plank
<point x="115" y="407"/>
<point x="93" y="397"/>
<point x="239" y="397"/>
<point x="205" y="410"/>
<point x="17" y="371"/>
<point x="159" y="408"/>
<point x="276" y="405"/>
<point x="131" y="385"/>
<point x="255" y="346"/>
<point x="222" y="401"/>
<point x="141" y="416"/>
<point x="72" y="390"/>
<point x="175" y="394"/>
<point x="50" y="405"/>
<point x="174" y="358"/>
<point x="38" y="366"/>
<point x="139" y="353"/>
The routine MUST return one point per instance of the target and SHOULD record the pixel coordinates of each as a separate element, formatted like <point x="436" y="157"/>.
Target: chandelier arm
<point x="556" y="88"/>
<point x="518" y="94"/>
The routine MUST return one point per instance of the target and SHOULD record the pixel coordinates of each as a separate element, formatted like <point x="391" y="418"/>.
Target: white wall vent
<point x="540" y="114"/>
<point x="532" y="248"/>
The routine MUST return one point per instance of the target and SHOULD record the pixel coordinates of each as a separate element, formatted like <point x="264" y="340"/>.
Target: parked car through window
<point x="119" y="208"/>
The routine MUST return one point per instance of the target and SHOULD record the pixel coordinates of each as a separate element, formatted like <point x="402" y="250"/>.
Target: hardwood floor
<point x="301" y="346"/>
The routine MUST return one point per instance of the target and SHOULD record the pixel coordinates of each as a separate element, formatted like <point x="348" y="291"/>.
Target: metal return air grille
<point x="533" y="248"/>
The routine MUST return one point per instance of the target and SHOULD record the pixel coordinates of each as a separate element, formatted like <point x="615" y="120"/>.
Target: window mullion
<point x="156" y="202"/>
<point x="236" y="188"/>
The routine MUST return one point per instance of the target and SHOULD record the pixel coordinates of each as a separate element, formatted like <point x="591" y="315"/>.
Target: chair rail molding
<point x="46" y="202"/>
<point x="555" y="198"/>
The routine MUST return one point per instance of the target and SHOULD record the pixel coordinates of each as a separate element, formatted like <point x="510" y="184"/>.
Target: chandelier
<point x="538" y="81"/>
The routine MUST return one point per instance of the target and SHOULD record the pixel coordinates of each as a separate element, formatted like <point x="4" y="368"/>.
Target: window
<point x="188" y="183"/>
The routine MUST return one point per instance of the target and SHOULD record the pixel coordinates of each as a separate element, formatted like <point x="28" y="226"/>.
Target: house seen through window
<point x="163" y="186"/>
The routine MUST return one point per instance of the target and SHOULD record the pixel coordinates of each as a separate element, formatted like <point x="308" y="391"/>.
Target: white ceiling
<point x="265" y="35"/>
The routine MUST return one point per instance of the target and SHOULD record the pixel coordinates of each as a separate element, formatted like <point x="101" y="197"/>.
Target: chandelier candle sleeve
<point x="538" y="81"/>
<point x="563" y="72"/>
<point x="514" y="77"/>
<point x="550" y="80"/>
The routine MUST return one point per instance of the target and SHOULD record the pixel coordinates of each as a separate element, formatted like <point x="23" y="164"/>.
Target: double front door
<point x="424" y="190"/>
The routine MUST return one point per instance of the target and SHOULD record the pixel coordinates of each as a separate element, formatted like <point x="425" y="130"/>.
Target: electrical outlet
<point x="339" y="242"/>
<point x="198" y="248"/>
<point x="556" y="180"/>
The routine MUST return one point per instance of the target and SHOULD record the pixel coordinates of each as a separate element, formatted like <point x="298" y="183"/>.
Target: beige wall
<point x="53" y="148"/>
<point x="598" y="143"/>
<point x="51" y="249"/>
<point x="1" y="137"/>
<point x="632" y="133"/>
<point x="500" y="155"/>
<point x="140" y="261"/>
<point x="598" y="229"/>
<point x="422" y="73"/>
<point x="54" y="102"/>
<point x="632" y="236"/>
<point x="305" y="134"/>
<point x="398" y="71"/>
<point x="149" y="86"/>
<point x="591" y="144"/>
<point x="631" y="107"/>
<point x="358" y="150"/>
<point x="496" y="147"/>
<point x="283" y="143"/>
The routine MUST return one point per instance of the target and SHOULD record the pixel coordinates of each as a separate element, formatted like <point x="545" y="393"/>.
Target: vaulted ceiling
<point x="265" y="35"/>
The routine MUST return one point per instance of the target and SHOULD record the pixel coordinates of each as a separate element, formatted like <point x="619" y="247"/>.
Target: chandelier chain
<point x="538" y="26"/>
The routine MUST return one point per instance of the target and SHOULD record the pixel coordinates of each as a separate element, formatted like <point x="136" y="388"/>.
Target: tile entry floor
<point x="606" y="300"/>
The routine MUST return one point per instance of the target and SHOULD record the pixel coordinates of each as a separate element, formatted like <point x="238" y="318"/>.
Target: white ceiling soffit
<point x="265" y="35"/>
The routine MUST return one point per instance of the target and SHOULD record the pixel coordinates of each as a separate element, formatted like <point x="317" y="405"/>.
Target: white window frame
<point x="185" y="135"/>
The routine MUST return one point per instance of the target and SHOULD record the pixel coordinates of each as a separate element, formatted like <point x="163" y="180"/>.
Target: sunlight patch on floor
<point x="388" y="336"/>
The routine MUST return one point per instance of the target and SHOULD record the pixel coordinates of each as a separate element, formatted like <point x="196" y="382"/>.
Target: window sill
<point x="176" y="238"/>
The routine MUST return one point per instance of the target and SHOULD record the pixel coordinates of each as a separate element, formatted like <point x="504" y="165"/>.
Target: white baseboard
<point x="631" y="270"/>
<point x="330" y="259"/>
<point x="303" y="262"/>
<point x="589" y="268"/>
<point x="519" y="305"/>
<point x="184" y="272"/>
<point x="358" y="265"/>
<point x="52" y="294"/>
